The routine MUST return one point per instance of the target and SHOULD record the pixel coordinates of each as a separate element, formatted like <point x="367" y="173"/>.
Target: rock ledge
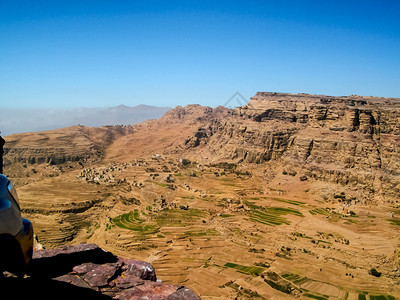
<point x="87" y="270"/>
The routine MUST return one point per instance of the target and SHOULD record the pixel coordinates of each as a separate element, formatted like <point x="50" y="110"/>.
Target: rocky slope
<point x="89" y="272"/>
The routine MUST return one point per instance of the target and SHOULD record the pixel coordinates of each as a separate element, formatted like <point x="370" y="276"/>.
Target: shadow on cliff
<point x="42" y="282"/>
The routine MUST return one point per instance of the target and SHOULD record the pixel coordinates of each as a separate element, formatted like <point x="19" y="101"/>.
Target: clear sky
<point x="67" y="53"/>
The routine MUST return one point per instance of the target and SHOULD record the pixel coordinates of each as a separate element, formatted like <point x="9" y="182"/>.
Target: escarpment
<point x="350" y="140"/>
<point x="242" y="140"/>
<point x="345" y="140"/>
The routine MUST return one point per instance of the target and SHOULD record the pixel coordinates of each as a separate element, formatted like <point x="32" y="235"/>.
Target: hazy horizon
<point x="21" y="120"/>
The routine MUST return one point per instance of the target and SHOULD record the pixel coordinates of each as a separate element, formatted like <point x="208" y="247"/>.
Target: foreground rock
<point x="88" y="271"/>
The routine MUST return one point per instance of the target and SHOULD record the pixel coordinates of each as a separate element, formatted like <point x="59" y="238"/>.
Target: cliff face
<point x="242" y="140"/>
<point x="346" y="140"/>
<point x="367" y="115"/>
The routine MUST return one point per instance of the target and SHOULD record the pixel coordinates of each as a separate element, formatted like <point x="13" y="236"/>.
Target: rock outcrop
<point x="86" y="271"/>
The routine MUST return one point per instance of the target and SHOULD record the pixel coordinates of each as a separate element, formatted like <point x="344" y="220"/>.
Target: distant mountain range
<point x="30" y="120"/>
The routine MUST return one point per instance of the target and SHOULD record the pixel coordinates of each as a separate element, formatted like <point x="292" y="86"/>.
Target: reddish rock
<point x="152" y="290"/>
<point x="100" y="275"/>
<point x="90" y="268"/>
<point x="65" y="250"/>
<point x="183" y="293"/>
<point x="140" y="269"/>
<point x="74" y="280"/>
<point x="126" y="282"/>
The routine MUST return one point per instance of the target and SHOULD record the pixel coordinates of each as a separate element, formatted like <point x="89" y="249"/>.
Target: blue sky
<point x="63" y="54"/>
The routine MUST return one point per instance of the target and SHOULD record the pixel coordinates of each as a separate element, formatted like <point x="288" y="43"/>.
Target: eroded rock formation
<point x="345" y="140"/>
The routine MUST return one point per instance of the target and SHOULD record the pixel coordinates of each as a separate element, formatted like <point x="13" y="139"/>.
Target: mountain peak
<point x="121" y="106"/>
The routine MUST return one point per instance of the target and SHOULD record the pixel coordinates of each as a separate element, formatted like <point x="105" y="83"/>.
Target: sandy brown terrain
<point x="250" y="203"/>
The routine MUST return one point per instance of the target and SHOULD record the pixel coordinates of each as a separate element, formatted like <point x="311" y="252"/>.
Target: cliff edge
<point x="89" y="272"/>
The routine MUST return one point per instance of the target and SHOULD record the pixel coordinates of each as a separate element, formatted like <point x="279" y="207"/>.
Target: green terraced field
<point x="394" y="221"/>
<point x="226" y="215"/>
<point x="272" y="215"/>
<point x="132" y="221"/>
<point x="179" y="217"/>
<point x="381" y="297"/>
<point x="165" y="218"/>
<point x="292" y="202"/>
<point x="316" y="296"/>
<point x="296" y="279"/>
<point x="245" y="269"/>
<point x="208" y="232"/>
<point x="319" y="211"/>
<point x="299" y="280"/>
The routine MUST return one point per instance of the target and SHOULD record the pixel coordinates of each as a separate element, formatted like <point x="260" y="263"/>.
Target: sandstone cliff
<point x="350" y="140"/>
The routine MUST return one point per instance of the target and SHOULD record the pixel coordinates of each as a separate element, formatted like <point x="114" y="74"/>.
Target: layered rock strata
<point x="351" y="140"/>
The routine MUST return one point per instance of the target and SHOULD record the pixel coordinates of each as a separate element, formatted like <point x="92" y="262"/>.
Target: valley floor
<point x="222" y="230"/>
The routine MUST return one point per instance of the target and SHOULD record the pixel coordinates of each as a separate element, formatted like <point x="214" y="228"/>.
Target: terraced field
<point x="133" y="222"/>
<point x="225" y="235"/>
<point x="250" y="270"/>
<point x="319" y="211"/>
<point x="152" y="223"/>
<point x="271" y="215"/>
<point x="296" y="279"/>
<point x="394" y="221"/>
<point x="381" y="297"/>
<point x="321" y="290"/>
<point x="180" y="217"/>
<point x="288" y="201"/>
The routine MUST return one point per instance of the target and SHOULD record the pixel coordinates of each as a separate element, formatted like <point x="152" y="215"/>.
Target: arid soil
<point x="289" y="196"/>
